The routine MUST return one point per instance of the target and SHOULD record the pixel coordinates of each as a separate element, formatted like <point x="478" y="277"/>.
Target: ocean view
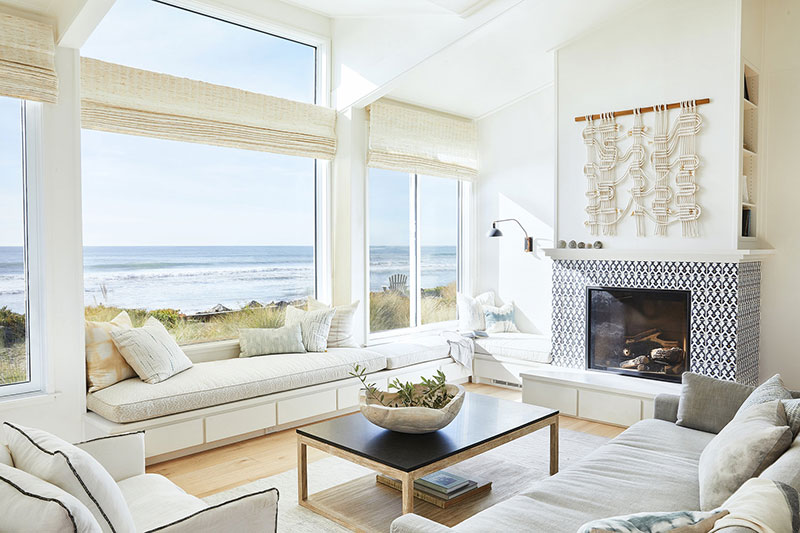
<point x="196" y="278"/>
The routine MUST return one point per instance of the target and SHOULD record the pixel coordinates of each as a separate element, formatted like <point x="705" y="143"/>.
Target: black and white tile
<point x="724" y="309"/>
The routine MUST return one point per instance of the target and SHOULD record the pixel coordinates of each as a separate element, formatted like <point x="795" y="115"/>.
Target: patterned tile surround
<point x="725" y="310"/>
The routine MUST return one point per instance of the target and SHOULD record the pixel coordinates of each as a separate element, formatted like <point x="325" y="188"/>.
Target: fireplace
<point x="638" y="332"/>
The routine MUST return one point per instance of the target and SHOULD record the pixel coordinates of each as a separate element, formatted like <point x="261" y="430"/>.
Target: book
<point x="442" y="481"/>
<point x="438" y="499"/>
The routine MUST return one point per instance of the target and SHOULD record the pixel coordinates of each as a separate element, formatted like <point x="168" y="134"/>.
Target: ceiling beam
<point x="77" y="19"/>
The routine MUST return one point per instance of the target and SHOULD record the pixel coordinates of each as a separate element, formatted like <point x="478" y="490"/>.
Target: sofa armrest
<point x="413" y="523"/>
<point x="256" y="512"/>
<point x="121" y="455"/>
<point x="666" y="407"/>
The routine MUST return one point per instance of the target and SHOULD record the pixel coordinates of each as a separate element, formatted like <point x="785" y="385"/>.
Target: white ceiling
<point x="377" y="8"/>
<point x="504" y="60"/>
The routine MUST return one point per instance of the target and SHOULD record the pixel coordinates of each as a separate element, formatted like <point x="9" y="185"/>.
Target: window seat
<point x="523" y="346"/>
<point x="418" y="350"/>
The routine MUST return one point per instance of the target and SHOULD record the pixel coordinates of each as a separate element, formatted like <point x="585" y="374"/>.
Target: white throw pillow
<point x="28" y="503"/>
<point x="500" y="319"/>
<point x="267" y="341"/>
<point x="151" y="351"/>
<point x="104" y="364"/>
<point x="314" y="325"/>
<point x="470" y="310"/>
<point x="341" y="333"/>
<point x="51" y="459"/>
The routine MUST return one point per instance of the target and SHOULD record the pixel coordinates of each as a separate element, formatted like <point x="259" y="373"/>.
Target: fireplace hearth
<point x="639" y="332"/>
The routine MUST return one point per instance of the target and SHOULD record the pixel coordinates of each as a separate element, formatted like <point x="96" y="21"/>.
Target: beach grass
<point x="390" y="309"/>
<point x="13" y="363"/>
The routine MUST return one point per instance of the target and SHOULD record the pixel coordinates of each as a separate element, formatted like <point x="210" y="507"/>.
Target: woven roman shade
<point x="27" y="66"/>
<point x="121" y="99"/>
<point x="412" y="139"/>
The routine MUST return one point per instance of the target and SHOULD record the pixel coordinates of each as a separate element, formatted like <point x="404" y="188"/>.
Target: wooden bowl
<point x="411" y="419"/>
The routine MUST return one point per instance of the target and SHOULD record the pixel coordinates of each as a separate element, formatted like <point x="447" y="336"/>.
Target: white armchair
<point x="157" y="504"/>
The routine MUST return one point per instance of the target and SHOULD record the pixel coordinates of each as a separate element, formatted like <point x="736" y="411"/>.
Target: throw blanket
<point x="462" y="349"/>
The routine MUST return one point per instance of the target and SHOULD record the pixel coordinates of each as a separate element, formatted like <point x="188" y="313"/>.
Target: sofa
<point x="651" y="466"/>
<point x="155" y="503"/>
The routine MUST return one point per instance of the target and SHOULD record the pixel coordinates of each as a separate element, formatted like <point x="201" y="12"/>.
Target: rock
<point x="219" y="308"/>
<point x="573" y="244"/>
<point x="253" y="304"/>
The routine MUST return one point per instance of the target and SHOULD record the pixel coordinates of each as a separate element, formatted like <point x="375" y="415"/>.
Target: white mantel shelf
<point x="702" y="256"/>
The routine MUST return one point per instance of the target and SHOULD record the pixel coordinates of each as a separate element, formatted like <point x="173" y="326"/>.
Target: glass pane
<point x="389" y="242"/>
<point x="152" y="36"/>
<point x="14" y="367"/>
<point x="206" y="239"/>
<point x="438" y="234"/>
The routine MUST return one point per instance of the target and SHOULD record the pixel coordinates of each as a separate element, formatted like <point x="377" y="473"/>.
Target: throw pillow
<point x="674" y="522"/>
<point x="151" y="351"/>
<point x="761" y="505"/>
<point x="314" y="326"/>
<point x="28" y="503"/>
<point x="266" y="341"/>
<point x="786" y="468"/>
<point x="51" y="459"/>
<point x="708" y="404"/>
<point x="470" y="311"/>
<point x="341" y="333"/>
<point x="104" y="364"/>
<point x="751" y="442"/>
<point x="770" y="390"/>
<point x="793" y="414"/>
<point x="500" y="319"/>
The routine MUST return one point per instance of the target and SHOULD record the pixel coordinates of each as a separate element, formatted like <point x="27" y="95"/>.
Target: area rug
<point x="528" y="457"/>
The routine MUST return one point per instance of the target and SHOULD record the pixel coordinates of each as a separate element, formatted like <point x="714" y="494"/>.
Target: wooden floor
<point x="236" y="464"/>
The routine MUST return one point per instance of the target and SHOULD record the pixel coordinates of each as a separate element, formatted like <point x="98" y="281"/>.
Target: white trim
<point x="707" y="256"/>
<point x="323" y="263"/>
<point x="397" y="335"/>
<point x="518" y="99"/>
<point x="24" y="400"/>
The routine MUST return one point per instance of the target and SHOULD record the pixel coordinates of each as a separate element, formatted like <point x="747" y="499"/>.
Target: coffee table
<point x="483" y="423"/>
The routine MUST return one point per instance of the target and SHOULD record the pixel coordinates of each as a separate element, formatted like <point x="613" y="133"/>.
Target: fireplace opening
<point x="639" y="332"/>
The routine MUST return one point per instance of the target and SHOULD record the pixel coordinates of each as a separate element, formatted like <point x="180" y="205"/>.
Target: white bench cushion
<point x="228" y="380"/>
<point x="522" y="346"/>
<point x="155" y="501"/>
<point x="400" y="354"/>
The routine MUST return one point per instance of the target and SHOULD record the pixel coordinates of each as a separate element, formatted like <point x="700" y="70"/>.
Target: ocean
<point x="196" y="278"/>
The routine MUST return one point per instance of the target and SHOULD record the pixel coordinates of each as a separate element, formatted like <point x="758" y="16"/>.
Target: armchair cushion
<point x="121" y="455"/>
<point x="5" y="456"/>
<point x="51" y="459"/>
<point x="154" y="501"/>
<point x="28" y="503"/>
<point x="412" y="523"/>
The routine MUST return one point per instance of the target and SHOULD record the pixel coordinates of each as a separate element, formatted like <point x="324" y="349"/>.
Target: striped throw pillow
<point x="151" y="351"/>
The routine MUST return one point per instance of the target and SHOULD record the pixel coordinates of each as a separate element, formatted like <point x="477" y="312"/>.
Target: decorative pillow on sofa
<point x="55" y="461"/>
<point x="151" y="351"/>
<point x="470" y="311"/>
<point x="708" y="404"/>
<point x="761" y="505"/>
<point x="500" y="319"/>
<point x="314" y="325"/>
<point x="266" y="341"/>
<point x="751" y="442"/>
<point x="104" y="364"/>
<point x="773" y="389"/>
<point x="341" y="332"/>
<point x="674" y="522"/>
<point x="28" y="503"/>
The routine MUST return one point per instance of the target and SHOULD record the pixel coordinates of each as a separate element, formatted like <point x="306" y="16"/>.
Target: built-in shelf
<point x="748" y="105"/>
<point x="748" y="204"/>
<point x="750" y="168"/>
<point x="748" y="152"/>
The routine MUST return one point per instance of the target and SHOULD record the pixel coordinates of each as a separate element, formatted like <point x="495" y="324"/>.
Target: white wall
<point x="517" y="156"/>
<point x="780" y="281"/>
<point x="666" y="51"/>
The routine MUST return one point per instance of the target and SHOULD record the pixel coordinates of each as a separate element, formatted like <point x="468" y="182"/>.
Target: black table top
<point x="481" y="419"/>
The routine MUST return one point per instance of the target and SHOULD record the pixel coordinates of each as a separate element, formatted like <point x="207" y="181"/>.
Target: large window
<point x="413" y="250"/>
<point x="206" y="239"/>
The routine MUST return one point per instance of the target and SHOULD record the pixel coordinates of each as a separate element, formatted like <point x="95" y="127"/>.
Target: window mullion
<point x="414" y="269"/>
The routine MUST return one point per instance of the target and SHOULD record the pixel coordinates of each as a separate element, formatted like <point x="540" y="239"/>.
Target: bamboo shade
<point x="27" y="65"/>
<point x="122" y="99"/>
<point x="412" y="139"/>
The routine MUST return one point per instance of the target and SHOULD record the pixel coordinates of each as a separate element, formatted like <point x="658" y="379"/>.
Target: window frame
<point x="32" y="167"/>
<point x="415" y="269"/>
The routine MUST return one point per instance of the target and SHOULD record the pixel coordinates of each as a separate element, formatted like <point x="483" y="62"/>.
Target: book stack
<point x="441" y="488"/>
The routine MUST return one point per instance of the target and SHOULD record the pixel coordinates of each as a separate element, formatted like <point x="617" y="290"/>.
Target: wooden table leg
<point x="302" y="472"/>
<point x="554" y="447"/>
<point x="408" y="494"/>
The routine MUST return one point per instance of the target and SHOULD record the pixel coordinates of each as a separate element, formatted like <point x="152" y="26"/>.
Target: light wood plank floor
<point x="236" y="464"/>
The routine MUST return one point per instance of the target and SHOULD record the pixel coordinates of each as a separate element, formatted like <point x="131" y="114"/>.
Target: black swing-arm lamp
<point x="495" y="232"/>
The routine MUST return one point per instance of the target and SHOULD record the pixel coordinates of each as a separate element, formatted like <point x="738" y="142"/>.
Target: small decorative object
<point x="573" y="244"/>
<point x="581" y="245"/>
<point x="589" y="245"/>
<point x="562" y="244"/>
<point x="598" y="244"/>
<point x="495" y="232"/>
<point x="746" y="190"/>
<point x="415" y="408"/>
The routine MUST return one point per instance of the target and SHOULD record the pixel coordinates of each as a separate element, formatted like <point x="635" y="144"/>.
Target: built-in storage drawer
<point x="608" y="407"/>
<point x="173" y="437"/>
<point x="499" y="371"/>
<point x="306" y="406"/>
<point x="553" y="396"/>
<point x="239" y="422"/>
<point x="454" y="371"/>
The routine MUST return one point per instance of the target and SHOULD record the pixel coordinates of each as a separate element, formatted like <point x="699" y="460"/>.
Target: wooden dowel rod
<point x="644" y="110"/>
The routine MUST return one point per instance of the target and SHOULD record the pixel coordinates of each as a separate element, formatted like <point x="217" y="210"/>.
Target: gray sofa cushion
<point x="621" y="477"/>
<point x="708" y="404"/>
<point x="770" y="390"/>
<point x="743" y="449"/>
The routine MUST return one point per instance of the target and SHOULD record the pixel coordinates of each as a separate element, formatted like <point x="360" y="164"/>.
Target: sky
<point x="11" y="210"/>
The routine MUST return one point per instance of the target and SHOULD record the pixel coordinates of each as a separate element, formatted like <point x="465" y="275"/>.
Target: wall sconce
<point x="495" y="232"/>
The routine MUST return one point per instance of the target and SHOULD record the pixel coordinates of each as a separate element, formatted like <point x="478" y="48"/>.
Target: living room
<point x="276" y="265"/>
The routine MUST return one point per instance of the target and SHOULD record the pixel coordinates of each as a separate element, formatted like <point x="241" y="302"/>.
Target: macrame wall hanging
<point x="661" y="181"/>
